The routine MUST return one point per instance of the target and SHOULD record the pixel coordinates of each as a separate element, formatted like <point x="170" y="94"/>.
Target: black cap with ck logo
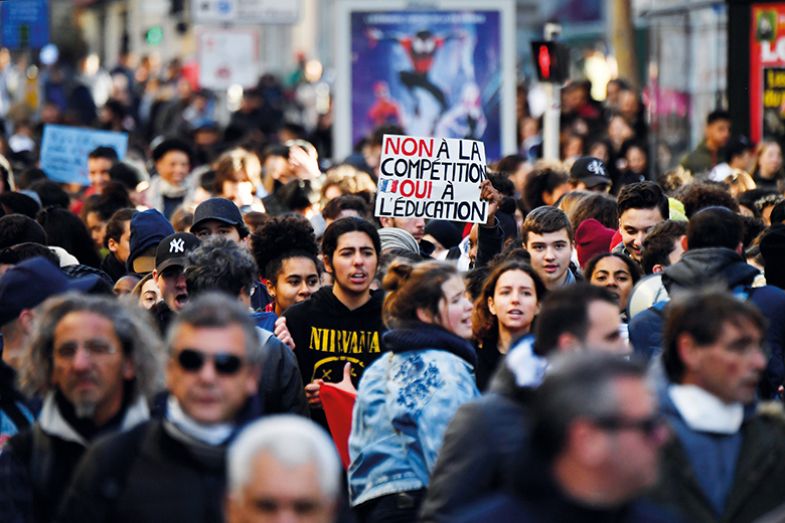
<point x="591" y="171"/>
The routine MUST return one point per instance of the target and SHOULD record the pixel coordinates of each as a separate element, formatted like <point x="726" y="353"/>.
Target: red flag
<point x="338" y="405"/>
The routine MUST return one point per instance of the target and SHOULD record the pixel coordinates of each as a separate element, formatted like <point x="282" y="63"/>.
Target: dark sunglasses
<point x="192" y="360"/>
<point x="648" y="426"/>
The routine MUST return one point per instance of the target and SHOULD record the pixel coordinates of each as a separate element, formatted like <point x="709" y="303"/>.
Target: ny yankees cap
<point x="591" y="171"/>
<point x="173" y="250"/>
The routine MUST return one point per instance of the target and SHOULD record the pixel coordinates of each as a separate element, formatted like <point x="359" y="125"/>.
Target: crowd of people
<point x="607" y="346"/>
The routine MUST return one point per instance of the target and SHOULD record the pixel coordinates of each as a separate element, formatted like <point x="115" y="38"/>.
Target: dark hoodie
<point x="720" y="266"/>
<point x="327" y="335"/>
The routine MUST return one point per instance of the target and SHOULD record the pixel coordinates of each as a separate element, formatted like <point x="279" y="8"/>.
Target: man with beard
<point x="94" y="362"/>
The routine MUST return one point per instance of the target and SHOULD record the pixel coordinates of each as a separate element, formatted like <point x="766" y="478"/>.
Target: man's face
<point x="632" y="448"/>
<point x="718" y="133"/>
<point x="677" y="252"/>
<point x="207" y="394"/>
<point x="731" y="367"/>
<point x="550" y="255"/>
<point x="172" y="284"/>
<point x="634" y="226"/>
<point x="276" y="492"/>
<point x="173" y="167"/>
<point x="353" y="263"/>
<point x="604" y="332"/>
<point x="122" y="249"/>
<point x="89" y="366"/>
<point x="212" y="228"/>
<point x="414" y="226"/>
<point x="98" y="172"/>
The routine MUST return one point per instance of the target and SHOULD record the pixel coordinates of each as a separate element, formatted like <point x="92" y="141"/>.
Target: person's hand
<point x="346" y="384"/>
<point x="282" y="332"/>
<point x="312" y="393"/>
<point x="305" y="166"/>
<point x="489" y="193"/>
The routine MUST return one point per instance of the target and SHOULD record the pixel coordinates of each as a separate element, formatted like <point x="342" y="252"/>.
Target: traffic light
<point x="550" y="60"/>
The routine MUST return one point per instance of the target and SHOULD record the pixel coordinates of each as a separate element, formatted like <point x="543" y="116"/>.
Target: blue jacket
<point x="712" y="265"/>
<point x="405" y="401"/>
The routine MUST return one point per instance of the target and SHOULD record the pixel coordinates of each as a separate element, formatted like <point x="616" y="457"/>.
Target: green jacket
<point x="759" y="479"/>
<point x="702" y="159"/>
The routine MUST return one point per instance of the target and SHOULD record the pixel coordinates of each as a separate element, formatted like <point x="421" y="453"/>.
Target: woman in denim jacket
<point x="409" y="395"/>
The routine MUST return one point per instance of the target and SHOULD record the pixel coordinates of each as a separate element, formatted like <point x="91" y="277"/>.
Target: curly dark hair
<point x="699" y="195"/>
<point x="281" y="238"/>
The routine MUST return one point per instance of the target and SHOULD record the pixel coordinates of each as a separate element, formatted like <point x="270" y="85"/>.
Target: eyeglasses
<point x="93" y="347"/>
<point x="192" y="360"/>
<point x="648" y="426"/>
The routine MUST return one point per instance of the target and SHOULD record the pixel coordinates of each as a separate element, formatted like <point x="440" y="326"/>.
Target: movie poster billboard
<point x="767" y="72"/>
<point x="445" y="70"/>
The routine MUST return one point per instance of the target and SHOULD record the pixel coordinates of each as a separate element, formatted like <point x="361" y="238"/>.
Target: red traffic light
<point x="550" y="60"/>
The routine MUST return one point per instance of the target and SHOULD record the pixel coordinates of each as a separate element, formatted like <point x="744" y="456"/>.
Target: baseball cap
<point x="148" y="228"/>
<point x="173" y="250"/>
<point x="221" y="210"/>
<point x="29" y="283"/>
<point x="591" y="171"/>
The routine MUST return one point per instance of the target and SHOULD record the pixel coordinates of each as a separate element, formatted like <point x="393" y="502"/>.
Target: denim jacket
<point x="404" y="403"/>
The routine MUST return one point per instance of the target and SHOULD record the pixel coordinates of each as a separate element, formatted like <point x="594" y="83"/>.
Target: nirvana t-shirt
<point x="327" y="335"/>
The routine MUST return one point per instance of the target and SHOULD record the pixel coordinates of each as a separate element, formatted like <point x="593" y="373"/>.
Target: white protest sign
<point x="228" y="57"/>
<point x="435" y="178"/>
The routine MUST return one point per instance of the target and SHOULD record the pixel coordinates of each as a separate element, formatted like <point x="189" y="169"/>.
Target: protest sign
<point x="228" y="57"/>
<point x="435" y="178"/>
<point x="64" y="151"/>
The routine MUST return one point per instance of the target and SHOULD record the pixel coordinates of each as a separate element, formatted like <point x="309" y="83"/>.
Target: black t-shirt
<point x="327" y="335"/>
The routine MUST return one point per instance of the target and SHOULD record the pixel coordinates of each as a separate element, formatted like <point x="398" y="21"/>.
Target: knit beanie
<point x="592" y="238"/>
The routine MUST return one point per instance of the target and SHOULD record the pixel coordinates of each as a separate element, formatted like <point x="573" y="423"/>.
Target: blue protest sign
<point x="24" y="24"/>
<point x="64" y="151"/>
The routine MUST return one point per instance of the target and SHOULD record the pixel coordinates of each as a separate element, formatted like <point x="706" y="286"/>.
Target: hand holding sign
<point x="489" y="194"/>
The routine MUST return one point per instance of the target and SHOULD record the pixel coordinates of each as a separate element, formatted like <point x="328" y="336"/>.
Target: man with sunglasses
<point x="593" y="451"/>
<point x="727" y="459"/>
<point x="174" y="469"/>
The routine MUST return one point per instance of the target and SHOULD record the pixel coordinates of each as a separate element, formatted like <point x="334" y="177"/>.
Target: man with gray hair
<point x="95" y="363"/>
<point x="174" y="469"/>
<point x="283" y="468"/>
<point x="594" y="448"/>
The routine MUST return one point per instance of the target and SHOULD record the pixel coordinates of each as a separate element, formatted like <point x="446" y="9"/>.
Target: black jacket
<point x="481" y="447"/>
<point x="153" y="473"/>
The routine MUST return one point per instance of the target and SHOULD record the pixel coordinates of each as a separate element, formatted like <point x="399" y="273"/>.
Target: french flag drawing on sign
<point x="388" y="185"/>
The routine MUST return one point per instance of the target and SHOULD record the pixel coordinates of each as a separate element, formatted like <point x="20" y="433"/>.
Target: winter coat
<point x="723" y="266"/>
<point x="466" y="471"/>
<point x="37" y="465"/>
<point x="154" y="473"/>
<point x="758" y="479"/>
<point x="404" y="403"/>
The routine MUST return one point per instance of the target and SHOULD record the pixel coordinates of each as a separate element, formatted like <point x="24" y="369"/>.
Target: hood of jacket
<point x="424" y="336"/>
<point x="699" y="267"/>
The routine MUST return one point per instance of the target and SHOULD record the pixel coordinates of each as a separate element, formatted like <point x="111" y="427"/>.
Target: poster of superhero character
<point x="444" y="70"/>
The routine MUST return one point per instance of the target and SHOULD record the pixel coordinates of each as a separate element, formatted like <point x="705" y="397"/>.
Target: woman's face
<point x="613" y="274"/>
<point x="636" y="159"/>
<point x="173" y="167"/>
<point x="150" y="294"/>
<point x="296" y="281"/>
<point x="455" y="309"/>
<point x="770" y="160"/>
<point x="514" y="301"/>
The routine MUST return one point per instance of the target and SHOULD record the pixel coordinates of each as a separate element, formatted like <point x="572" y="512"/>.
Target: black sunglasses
<point x="192" y="360"/>
<point x="647" y="426"/>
